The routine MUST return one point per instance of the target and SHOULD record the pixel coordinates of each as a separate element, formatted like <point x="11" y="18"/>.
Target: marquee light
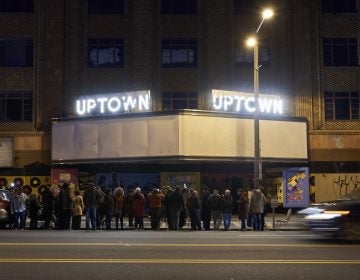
<point x="242" y="102"/>
<point x="123" y="102"/>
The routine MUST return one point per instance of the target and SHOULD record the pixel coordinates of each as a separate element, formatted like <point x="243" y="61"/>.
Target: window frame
<point x="178" y="44"/>
<point x="331" y="7"/>
<point x="170" y="7"/>
<point x="26" y="6"/>
<point x="27" y="108"/>
<point x="115" y="7"/>
<point x="173" y="96"/>
<point x="98" y="43"/>
<point x="331" y="45"/>
<point x="332" y="101"/>
<point x="264" y="49"/>
<point x="7" y="51"/>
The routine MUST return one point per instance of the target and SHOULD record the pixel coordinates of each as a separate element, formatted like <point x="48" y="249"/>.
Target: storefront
<point x="118" y="140"/>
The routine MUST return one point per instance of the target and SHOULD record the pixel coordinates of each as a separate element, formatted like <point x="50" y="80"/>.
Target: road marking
<point x="121" y="244"/>
<point x="179" y="261"/>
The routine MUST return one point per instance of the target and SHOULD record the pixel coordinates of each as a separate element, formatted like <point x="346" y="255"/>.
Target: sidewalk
<point x="295" y="223"/>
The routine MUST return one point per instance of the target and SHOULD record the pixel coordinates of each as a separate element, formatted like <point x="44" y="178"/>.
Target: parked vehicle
<point x="4" y="208"/>
<point x="338" y="219"/>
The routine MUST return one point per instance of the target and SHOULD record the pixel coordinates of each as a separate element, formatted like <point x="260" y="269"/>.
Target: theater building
<point x="102" y="88"/>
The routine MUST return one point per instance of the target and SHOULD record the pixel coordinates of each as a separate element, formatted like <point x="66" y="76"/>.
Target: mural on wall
<point x="296" y="187"/>
<point x="331" y="186"/>
<point x="112" y="180"/>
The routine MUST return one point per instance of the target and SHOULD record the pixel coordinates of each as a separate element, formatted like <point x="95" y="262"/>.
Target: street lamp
<point x="253" y="43"/>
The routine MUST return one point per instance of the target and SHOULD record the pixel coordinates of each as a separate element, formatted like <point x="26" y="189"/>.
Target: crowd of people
<point x="64" y="208"/>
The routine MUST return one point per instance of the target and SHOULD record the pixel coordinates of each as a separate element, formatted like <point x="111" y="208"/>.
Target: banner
<point x="296" y="187"/>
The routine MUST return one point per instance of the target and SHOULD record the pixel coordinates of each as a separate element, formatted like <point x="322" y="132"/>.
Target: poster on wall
<point x="181" y="179"/>
<point x="70" y="176"/>
<point x="296" y="187"/>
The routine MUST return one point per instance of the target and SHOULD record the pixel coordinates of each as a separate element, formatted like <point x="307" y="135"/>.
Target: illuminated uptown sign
<point x="114" y="103"/>
<point x="242" y="102"/>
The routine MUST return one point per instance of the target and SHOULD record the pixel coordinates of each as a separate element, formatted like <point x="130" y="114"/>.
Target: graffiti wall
<point x="332" y="186"/>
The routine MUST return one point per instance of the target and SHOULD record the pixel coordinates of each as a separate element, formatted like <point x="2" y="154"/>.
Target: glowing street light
<point x="253" y="43"/>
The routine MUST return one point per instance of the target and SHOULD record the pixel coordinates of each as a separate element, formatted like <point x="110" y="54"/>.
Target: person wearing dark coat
<point x="243" y="209"/>
<point x="176" y="206"/>
<point x="48" y="201"/>
<point x="108" y="208"/>
<point x="92" y="197"/>
<point x="226" y="209"/>
<point x="34" y="207"/>
<point x="66" y="206"/>
<point x="194" y="211"/>
<point x="206" y="209"/>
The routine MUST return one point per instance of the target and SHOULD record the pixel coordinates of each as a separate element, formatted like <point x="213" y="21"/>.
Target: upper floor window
<point x="340" y="51"/>
<point x="179" y="52"/>
<point x="342" y="106"/>
<point x="16" y="52"/>
<point x="246" y="7"/>
<point x="338" y="6"/>
<point x="105" y="6"/>
<point x="245" y="56"/>
<point x="16" y="107"/>
<point x="105" y="52"/>
<point x="178" y="7"/>
<point x="179" y="100"/>
<point x="16" y="6"/>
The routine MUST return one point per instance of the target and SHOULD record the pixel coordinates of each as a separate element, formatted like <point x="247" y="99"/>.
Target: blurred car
<point x="4" y="208"/>
<point x="338" y="219"/>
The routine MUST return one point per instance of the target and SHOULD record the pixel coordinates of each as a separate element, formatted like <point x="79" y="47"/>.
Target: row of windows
<point x="174" y="6"/>
<point x="343" y="106"/>
<point x="110" y="52"/>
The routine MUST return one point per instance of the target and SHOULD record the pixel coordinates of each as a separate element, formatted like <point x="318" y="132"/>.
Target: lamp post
<point x="252" y="42"/>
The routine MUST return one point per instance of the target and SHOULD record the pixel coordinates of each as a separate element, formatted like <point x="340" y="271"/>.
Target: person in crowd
<point x="34" y="211"/>
<point x="226" y="209"/>
<point x="176" y="206"/>
<point x="92" y="198"/>
<point x="167" y="204"/>
<point x="108" y="208"/>
<point x="155" y="197"/>
<point x="215" y="205"/>
<point x="48" y="203"/>
<point x="78" y="210"/>
<point x="206" y="209"/>
<point x="256" y="206"/>
<point x="66" y="206"/>
<point x="194" y="207"/>
<point x="138" y="202"/>
<point x="119" y="202"/>
<point x="243" y="209"/>
<point x="18" y="208"/>
<point x="129" y="206"/>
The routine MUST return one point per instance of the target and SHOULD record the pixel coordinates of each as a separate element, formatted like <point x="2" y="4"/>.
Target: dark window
<point x="179" y="100"/>
<point x="340" y="51"/>
<point x="178" y="7"/>
<point x="105" y="52"/>
<point x="105" y="6"/>
<point x="248" y="7"/>
<point x="342" y="106"/>
<point x="338" y="6"/>
<point x="245" y="56"/>
<point x="16" y="107"/>
<point x="179" y="53"/>
<point x="16" y="6"/>
<point x="16" y="52"/>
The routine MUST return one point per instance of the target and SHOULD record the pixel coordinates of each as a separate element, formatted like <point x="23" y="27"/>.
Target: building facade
<point x="52" y="52"/>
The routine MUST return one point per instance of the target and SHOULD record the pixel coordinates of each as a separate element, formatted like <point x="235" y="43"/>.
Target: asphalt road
<point x="175" y="255"/>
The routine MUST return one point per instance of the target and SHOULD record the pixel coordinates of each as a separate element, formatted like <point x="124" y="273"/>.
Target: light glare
<point x="267" y="13"/>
